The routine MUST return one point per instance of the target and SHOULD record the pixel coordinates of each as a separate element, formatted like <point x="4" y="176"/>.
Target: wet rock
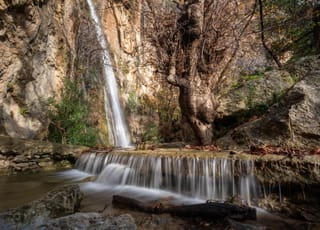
<point x="59" y="202"/>
<point x="20" y="159"/>
<point x="25" y="167"/>
<point x="245" y="226"/>
<point x="90" y="221"/>
<point x="156" y="221"/>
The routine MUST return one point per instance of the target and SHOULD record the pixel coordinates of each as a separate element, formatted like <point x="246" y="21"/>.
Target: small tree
<point x="68" y="118"/>
<point x="194" y="42"/>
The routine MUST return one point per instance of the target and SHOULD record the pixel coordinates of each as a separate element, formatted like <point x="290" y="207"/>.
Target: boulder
<point x="58" y="210"/>
<point x="254" y="90"/>
<point x="293" y="121"/>
<point x="59" y="202"/>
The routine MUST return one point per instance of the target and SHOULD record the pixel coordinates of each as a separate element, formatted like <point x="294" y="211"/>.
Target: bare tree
<point x="194" y="43"/>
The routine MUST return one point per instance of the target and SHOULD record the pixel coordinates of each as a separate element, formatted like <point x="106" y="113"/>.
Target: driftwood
<point x="209" y="210"/>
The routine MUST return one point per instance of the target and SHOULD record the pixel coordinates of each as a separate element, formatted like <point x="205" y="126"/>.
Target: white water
<point x="116" y="122"/>
<point x="196" y="178"/>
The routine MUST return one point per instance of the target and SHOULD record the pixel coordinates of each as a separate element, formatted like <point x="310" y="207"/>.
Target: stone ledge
<point x="18" y="155"/>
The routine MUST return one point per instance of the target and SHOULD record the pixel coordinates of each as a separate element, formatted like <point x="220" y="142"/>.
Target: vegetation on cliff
<point x="69" y="118"/>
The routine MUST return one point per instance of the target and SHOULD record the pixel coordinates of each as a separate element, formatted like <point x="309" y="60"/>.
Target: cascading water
<point x="201" y="178"/>
<point x="116" y="122"/>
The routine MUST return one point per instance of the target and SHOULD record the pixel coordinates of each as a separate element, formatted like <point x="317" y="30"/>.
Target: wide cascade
<point x="117" y="125"/>
<point x="197" y="177"/>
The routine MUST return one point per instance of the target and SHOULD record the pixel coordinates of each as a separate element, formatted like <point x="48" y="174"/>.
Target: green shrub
<point x="24" y="111"/>
<point x="68" y="118"/>
<point x="151" y="135"/>
<point x="132" y="105"/>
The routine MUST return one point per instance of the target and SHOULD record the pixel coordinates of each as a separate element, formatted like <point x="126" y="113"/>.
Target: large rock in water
<point x="60" y="202"/>
<point x="58" y="210"/>
<point x="294" y="121"/>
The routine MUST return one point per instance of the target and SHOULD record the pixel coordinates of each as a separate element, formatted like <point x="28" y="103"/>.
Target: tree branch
<point x="274" y="57"/>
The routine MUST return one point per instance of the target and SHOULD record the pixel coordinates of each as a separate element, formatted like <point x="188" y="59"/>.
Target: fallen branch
<point x="209" y="210"/>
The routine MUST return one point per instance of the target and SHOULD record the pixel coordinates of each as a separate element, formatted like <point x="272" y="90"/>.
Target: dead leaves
<point x="203" y="148"/>
<point x="285" y="151"/>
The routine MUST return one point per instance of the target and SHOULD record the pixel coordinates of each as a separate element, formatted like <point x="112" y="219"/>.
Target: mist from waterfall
<point x="118" y="129"/>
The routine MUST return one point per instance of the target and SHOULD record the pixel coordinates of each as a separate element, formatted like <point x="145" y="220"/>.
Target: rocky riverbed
<point x="291" y="185"/>
<point x="67" y="207"/>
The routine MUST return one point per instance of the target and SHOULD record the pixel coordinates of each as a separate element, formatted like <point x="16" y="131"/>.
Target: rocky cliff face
<point x="292" y="121"/>
<point x="42" y="42"/>
<point x="36" y="43"/>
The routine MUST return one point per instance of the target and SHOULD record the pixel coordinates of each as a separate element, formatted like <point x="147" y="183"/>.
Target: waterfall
<point x="201" y="178"/>
<point x="115" y="118"/>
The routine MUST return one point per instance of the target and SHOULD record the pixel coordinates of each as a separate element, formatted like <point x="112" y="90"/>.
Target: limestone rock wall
<point x="36" y="39"/>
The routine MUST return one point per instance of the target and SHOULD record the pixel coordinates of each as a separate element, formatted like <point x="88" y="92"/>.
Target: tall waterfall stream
<point x="118" y="129"/>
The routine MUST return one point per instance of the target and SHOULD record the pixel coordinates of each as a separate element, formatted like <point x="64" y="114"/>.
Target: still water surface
<point x="16" y="190"/>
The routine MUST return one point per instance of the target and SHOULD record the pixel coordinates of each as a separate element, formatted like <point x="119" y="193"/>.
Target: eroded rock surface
<point x="34" y="48"/>
<point x="293" y="121"/>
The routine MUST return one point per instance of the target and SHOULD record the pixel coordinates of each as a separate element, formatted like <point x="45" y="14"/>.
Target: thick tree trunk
<point x="197" y="106"/>
<point x="198" y="110"/>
